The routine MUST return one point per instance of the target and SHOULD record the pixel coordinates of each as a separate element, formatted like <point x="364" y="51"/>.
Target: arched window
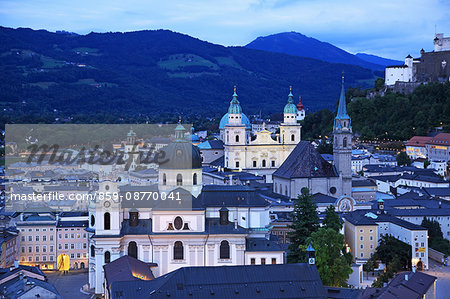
<point x="237" y="138"/>
<point x="92" y="220"/>
<point x="164" y="182"/>
<point x="92" y="251"/>
<point x="292" y="137"/>
<point x="263" y="163"/>
<point x="132" y="249"/>
<point x="179" y="180"/>
<point x="194" y="179"/>
<point x="254" y="163"/>
<point x="224" y="250"/>
<point x="107" y="257"/>
<point x="107" y="221"/>
<point x="344" y="142"/>
<point x="178" y="251"/>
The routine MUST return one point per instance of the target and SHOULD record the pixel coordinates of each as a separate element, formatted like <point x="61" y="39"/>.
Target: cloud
<point x="389" y="28"/>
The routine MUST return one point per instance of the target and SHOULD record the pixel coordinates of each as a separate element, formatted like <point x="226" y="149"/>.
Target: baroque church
<point x="223" y="224"/>
<point x="262" y="154"/>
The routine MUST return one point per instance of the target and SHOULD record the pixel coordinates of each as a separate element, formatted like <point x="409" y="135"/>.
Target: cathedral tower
<point x="236" y="135"/>
<point x="290" y="130"/>
<point x="342" y="146"/>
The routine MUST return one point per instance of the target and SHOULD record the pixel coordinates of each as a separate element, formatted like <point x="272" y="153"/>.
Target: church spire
<point x="342" y="108"/>
<point x="235" y="107"/>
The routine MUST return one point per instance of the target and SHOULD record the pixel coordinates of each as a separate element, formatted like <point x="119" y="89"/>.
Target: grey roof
<point x="262" y="244"/>
<point x="323" y="198"/>
<point x="18" y="287"/>
<point x="71" y="223"/>
<point x="231" y="196"/>
<point x="416" y="286"/>
<point x="430" y="212"/>
<point x="437" y="191"/>
<point x="305" y="162"/>
<point x="342" y="293"/>
<point x="371" y="217"/>
<point x="363" y="183"/>
<point x="251" y="281"/>
<point x="122" y="269"/>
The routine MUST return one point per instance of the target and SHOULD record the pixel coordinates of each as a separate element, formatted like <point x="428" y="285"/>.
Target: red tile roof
<point x="440" y="139"/>
<point x="418" y="141"/>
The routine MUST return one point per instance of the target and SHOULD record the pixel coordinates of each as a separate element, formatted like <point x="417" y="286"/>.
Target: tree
<point x="305" y="221"/>
<point x="403" y="159"/>
<point x="391" y="249"/>
<point x="332" y="219"/>
<point x="436" y="239"/>
<point x="426" y="163"/>
<point x="334" y="269"/>
<point x="379" y="84"/>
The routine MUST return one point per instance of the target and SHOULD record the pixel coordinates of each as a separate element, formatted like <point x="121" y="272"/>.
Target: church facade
<point x="306" y="168"/>
<point x="262" y="154"/>
<point x="224" y="225"/>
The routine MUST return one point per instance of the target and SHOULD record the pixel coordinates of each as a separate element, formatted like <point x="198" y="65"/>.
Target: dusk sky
<point x="389" y="28"/>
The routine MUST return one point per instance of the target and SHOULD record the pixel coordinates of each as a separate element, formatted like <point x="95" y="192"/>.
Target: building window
<point x="362" y="254"/>
<point x="66" y="246"/>
<point x="344" y="142"/>
<point x="252" y="261"/>
<point x="92" y="251"/>
<point x="237" y="138"/>
<point x="361" y="238"/>
<point x="30" y="238"/>
<point x="92" y="222"/>
<point x="164" y="182"/>
<point x="44" y="238"/>
<point x="23" y="249"/>
<point x="263" y="261"/>
<point x="273" y="163"/>
<point x="362" y="246"/>
<point x="178" y="251"/>
<point x="23" y="238"/>
<point x="107" y="257"/>
<point x="224" y="250"/>
<point x="107" y="221"/>
<point x="237" y="164"/>
<point x="51" y="248"/>
<point x="263" y="163"/>
<point x="274" y="261"/>
<point x="132" y="249"/>
<point x="254" y="163"/>
<point x="51" y="237"/>
<point x="292" y="137"/>
<point x="179" y="180"/>
<point x="194" y="179"/>
<point x="37" y="248"/>
<point x="178" y="222"/>
<point x="371" y="238"/>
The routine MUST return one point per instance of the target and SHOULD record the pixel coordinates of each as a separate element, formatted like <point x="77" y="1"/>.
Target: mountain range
<point x="111" y="76"/>
<point x="294" y="43"/>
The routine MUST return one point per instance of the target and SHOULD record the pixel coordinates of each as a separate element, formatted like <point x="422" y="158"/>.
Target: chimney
<point x="406" y="277"/>
<point x="16" y="264"/>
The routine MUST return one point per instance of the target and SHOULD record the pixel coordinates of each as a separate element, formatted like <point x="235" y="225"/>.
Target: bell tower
<point x="290" y="130"/>
<point x="342" y="145"/>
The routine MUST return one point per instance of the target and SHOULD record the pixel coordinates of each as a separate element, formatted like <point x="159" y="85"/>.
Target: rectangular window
<point x="252" y="261"/>
<point x="23" y="249"/>
<point x="44" y="258"/>
<point x="274" y="260"/>
<point x="44" y="238"/>
<point x="51" y="257"/>
<point x="72" y="236"/>
<point x="60" y="236"/>
<point x="361" y="238"/>
<point x="273" y="163"/>
<point x="66" y="246"/>
<point x="422" y="244"/>
<point x="72" y="246"/>
<point x="362" y="246"/>
<point x="37" y="258"/>
<point x="371" y="238"/>
<point x="362" y="254"/>
<point x="37" y="229"/>
<point x="29" y="258"/>
<point x="51" y="237"/>
<point x="51" y="248"/>
<point x="237" y="164"/>
<point x="37" y="248"/>
<point x="59" y="246"/>
<point x="30" y="249"/>
<point x="84" y="235"/>
<point x="72" y="255"/>
<point x="254" y="163"/>
<point x="44" y="248"/>
<point x="78" y="255"/>
<point x="23" y="238"/>
<point x="44" y="229"/>
<point x="51" y="229"/>
<point x="422" y="254"/>
<point x="263" y="261"/>
<point x="66" y="236"/>
<point x="30" y="238"/>
<point x="37" y="238"/>
<point x="84" y="245"/>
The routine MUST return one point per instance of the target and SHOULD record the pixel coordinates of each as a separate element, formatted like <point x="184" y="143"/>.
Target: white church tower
<point x="290" y="130"/>
<point x="236" y="136"/>
<point x="342" y="146"/>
